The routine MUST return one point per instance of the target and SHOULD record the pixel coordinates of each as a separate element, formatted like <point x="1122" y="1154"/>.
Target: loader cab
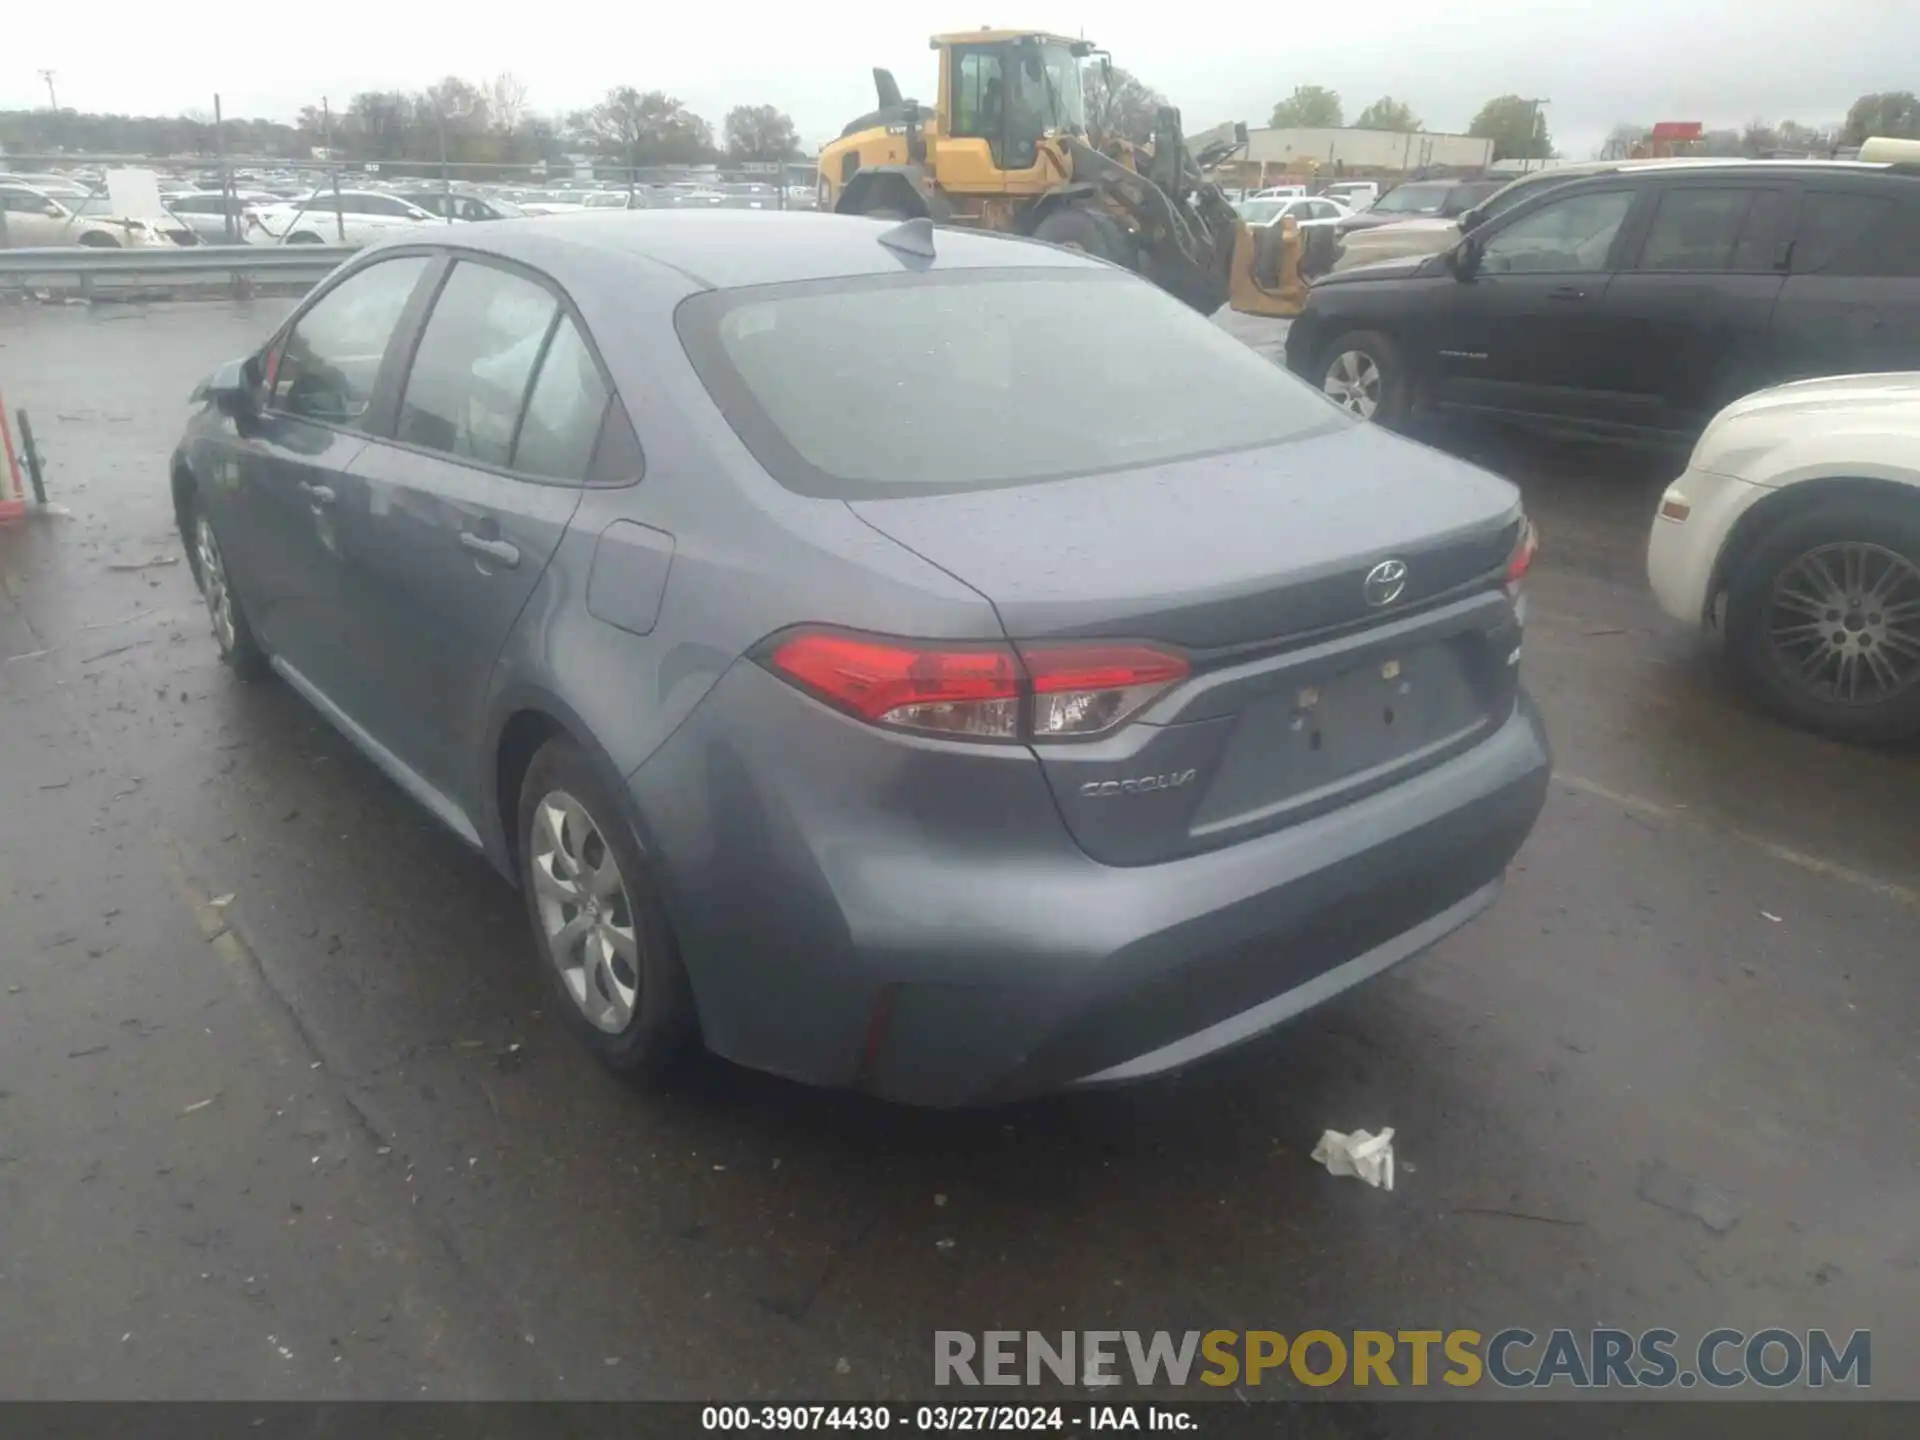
<point x="1001" y="95"/>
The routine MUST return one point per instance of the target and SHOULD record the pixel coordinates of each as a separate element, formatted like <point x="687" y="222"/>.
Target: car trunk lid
<point x="1312" y="682"/>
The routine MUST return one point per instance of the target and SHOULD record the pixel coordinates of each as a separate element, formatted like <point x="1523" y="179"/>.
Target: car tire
<point x="302" y="237"/>
<point x="97" y="241"/>
<point x="240" y="649"/>
<point x="1362" y="372"/>
<point x="1796" y="652"/>
<point x="1090" y="231"/>
<point x="606" y="946"/>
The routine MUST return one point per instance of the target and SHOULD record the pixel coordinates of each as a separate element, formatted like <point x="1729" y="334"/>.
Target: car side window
<point x="326" y="368"/>
<point x="468" y="380"/>
<point x="474" y="210"/>
<point x="1712" y="228"/>
<point x="564" y="410"/>
<point x="1849" y="233"/>
<point x="1566" y="236"/>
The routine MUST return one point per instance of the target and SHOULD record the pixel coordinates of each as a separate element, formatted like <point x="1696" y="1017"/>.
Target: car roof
<point x="724" y="249"/>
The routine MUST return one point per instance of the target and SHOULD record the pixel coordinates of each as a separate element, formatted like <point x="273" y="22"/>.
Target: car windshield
<point x="1422" y="197"/>
<point x="1064" y="368"/>
<point x="1259" y="212"/>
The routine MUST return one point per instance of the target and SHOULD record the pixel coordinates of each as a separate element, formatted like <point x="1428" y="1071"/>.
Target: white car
<point x="1307" y="211"/>
<point x="1355" y="194"/>
<point x="203" y="211"/>
<point x="35" y="218"/>
<point x="363" y="215"/>
<point x="1795" y="534"/>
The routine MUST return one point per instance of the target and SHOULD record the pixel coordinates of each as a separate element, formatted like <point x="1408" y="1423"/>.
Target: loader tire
<point x="1090" y="231"/>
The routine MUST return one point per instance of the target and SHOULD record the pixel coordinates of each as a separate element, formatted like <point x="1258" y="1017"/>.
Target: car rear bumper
<point x="956" y="947"/>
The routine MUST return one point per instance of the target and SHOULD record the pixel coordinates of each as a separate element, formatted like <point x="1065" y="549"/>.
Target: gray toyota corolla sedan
<point x="929" y="662"/>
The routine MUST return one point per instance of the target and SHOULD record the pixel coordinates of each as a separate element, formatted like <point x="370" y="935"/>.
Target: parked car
<point x="1421" y="199"/>
<point x="1356" y="195"/>
<point x="36" y="218"/>
<point x="101" y="209"/>
<point x="581" y="545"/>
<point x="1632" y="305"/>
<point x="460" y="204"/>
<point x="1794" y="534"/>
<point x="1432" y="235"/>
<point x="1307" y="211"/>
<point x="60" y="187"/>
<point x="205" y="212"/>
<point x="355" y="217"/>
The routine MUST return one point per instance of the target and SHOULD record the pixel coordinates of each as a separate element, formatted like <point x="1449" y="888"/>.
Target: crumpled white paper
<point x="1370" y="1157"/>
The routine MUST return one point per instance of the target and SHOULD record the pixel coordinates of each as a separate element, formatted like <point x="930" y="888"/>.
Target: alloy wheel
<point x="214" y="586"/>
<point x="1844" y="623"/>
<point x="1353" y="382"/>
<point x="586" y="914"/>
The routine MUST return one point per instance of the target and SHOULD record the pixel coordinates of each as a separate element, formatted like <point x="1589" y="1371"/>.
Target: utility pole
<point x="326" y="127"/>
<point x="53" y="103"/>
<point x="1533" y="126"/>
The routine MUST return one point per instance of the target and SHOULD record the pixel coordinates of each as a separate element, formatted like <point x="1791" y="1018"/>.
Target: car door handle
<point x="318" y="494"/>
<point x="501" y="552"/>
<point x="1566" y="292"/>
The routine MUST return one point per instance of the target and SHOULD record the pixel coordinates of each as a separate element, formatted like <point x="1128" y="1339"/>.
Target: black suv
<point x="1633" y="304"/>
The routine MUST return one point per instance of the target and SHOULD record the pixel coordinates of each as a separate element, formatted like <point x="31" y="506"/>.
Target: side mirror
<point x="233" y="390"/>
<point x="1464" y="259"/>
<point x="1471" y="219"/>
<point x="53" y="211"/>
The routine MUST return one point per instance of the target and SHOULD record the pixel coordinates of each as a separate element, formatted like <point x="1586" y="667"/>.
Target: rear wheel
<point x="601" y="930"/>
<point x="303" y="237"/>
<point x="1092" y="231"/>
<point x="1361" y="371"/>
<point x="1823" y="619"/>
<point x="95" y="240"/>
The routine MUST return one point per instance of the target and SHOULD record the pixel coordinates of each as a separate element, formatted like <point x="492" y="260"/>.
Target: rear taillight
<point x="1521" y="561"/>
<point x="1047" y="692"/>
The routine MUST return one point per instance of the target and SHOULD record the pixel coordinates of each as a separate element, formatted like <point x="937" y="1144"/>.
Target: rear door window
<point x="1713" y="228"/>
<point x="1852" y="233"/>
<point x="564" y="410"/>
<point x="325" y="369"/>
<point x="468" y="381"/>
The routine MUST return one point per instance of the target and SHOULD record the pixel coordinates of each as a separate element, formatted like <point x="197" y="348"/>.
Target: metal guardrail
<point x="88" y="260"/>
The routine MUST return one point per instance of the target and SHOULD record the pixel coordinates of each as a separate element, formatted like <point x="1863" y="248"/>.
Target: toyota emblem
<point x="1385" y="582"/>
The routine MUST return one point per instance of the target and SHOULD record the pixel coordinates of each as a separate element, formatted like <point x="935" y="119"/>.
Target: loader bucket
<point x="1265" y="275"/>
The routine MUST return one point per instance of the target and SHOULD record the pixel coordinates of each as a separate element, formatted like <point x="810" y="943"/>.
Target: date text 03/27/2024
<point x="936" y="1419"/>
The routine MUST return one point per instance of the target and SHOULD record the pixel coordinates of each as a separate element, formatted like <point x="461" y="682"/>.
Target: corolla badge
<point x="1139" y="785"/>
<point x="1385" y="582"/>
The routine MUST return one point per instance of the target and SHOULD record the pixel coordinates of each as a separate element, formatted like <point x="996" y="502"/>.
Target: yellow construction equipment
<point x="1007" y="147"/>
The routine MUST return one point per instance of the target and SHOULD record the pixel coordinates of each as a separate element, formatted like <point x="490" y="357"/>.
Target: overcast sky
<point x="1719" y="61"/>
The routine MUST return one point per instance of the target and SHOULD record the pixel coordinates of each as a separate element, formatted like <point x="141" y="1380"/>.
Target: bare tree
<point x="506" y="100"/>
<point x="1119" y="104"/>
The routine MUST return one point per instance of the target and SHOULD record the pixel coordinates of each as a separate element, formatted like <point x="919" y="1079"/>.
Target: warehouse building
<point x="1272" y="153"/>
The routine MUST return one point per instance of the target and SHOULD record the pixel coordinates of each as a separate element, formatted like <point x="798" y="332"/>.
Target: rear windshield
<point x="1420" y="198"/>
<point x="928" y="383"/>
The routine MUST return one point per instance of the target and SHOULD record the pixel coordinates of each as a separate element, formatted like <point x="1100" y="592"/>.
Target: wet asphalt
<point x="282" y="1115"/>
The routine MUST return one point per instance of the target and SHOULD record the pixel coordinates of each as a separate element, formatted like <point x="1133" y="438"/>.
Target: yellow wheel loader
<point x="1007" y="147"/>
